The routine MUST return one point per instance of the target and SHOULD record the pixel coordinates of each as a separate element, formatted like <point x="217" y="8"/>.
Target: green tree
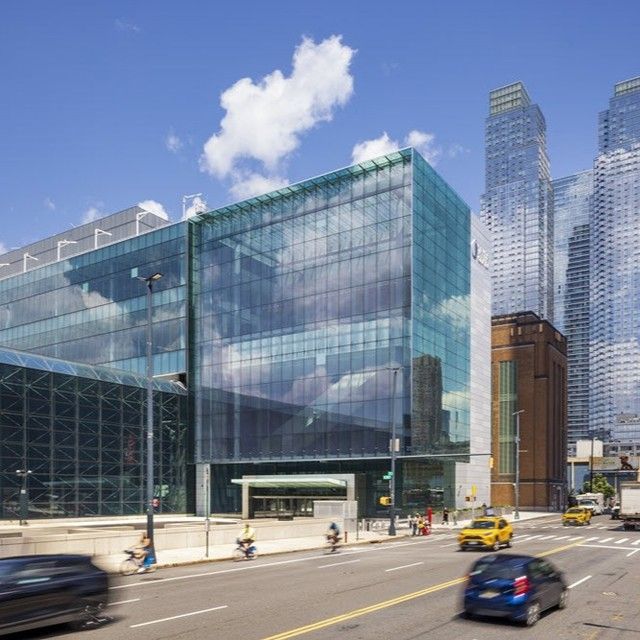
<point x="600" y="485"/>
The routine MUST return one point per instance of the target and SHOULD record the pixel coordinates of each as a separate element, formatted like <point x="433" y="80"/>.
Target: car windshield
<point x="491" y="570"/>
<point x="482" y="524"/>
<point x="575" y="510"/>
<point x="589" y="502"/>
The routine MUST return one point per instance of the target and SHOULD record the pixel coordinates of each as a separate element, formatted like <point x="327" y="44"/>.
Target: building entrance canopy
<point x="297" y="481"/>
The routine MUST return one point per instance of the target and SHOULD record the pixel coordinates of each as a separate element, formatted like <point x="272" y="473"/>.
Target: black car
<point x="518" y="587"/>
<point x="37" y="591"/>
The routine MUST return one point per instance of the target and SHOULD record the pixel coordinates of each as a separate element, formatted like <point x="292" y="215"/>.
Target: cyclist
<point x="247" y="537"/>
<point x="333" y="535"/>
<point x="146" y="552"/>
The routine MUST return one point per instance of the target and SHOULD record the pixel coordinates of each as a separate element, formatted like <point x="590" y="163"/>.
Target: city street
<point x="402" y="590"/>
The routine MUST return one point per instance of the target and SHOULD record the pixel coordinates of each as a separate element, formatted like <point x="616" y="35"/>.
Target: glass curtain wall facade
<point x="91" y="308"/>
<point x="517" y="205"/>
<point x="81" y="431"/>
<point x="573" y="199"/>
<point x="306" y="299"/>
<point x="615" y="271"/>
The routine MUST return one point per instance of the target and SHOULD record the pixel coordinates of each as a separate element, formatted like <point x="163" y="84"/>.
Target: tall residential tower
<point x="615" y="271"/>
<point x="517" y="205"/>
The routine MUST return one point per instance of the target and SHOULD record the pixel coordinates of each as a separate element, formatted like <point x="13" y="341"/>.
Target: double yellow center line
<point x="321" y="624"/>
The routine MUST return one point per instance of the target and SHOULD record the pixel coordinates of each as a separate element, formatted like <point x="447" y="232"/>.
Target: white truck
<point x="592" y="501"/>
<point x="630" y="505"/>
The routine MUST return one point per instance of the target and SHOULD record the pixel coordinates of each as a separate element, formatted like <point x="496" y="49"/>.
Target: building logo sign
<point x="479" y="254"/>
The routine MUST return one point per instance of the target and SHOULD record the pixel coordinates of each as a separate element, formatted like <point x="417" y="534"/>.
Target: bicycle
<point x="333" y="543"/>
<point x="244" y="551"/>
<point x="133" y="563"/>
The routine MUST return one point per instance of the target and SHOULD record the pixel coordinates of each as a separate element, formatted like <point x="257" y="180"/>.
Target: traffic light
<point x="385" y="501"/>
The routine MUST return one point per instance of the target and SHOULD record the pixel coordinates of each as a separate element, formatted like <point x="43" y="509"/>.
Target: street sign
<point x="388" y="475"/>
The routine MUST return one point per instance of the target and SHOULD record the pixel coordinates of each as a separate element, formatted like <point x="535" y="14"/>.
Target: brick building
<point x="528" y="374"/>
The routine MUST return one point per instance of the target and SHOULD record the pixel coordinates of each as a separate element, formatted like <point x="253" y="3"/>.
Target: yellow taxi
<point x="486" y="533"/>
<point x="576" y="515"/>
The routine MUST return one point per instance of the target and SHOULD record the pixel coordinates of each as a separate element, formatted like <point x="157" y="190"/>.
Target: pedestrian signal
<point x="385" y="501"/>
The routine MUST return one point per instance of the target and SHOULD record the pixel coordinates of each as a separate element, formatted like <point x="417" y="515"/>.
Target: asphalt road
<point x="400" y="590"/>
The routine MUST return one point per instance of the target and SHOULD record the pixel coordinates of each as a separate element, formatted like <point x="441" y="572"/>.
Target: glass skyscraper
<point x="573" y="197"/>
<point x="306" y="301"/>
<point x="84" y="302"/>
<point x="615" y="270"/>
<point x="517" y="205"/>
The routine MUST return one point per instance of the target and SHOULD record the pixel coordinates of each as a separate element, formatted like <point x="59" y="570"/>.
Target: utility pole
<point x="393" y="446"/>
<point x="516" y="513"/>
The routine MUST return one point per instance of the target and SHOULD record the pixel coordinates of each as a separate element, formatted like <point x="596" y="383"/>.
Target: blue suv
<point x="518" y="587"/>
<point x="37" y="591"/>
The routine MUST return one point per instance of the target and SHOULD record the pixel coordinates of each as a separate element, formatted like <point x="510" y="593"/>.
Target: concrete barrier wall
<point x="102" y="542"/>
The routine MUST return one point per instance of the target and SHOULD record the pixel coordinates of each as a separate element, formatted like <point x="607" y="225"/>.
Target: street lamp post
<point x="23" y="502"/>
<point x="393" y="444"/>
<point x="516" y="513"/>
<point x="149" y="282"/>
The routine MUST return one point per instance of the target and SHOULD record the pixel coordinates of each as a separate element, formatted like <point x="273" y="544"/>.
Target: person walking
<point x="420" y="526"/>
<point x="445" y="515"/>
<point x="413" y="525"/>
<point x="454" y="515"/>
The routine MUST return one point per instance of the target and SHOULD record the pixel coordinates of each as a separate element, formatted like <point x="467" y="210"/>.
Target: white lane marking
<point x="336" y="564"/>
<point x="605" y="546"/>
<point x="547" y="537"/>
<point x="113" y="604"/>
<point x="575" y="538"/>
<point x="592" y="538"/>
<point x="562" y="537"/>
<point x="453" y="544"/>
<point x="250" y="567"/>
<point x="415" y="564"/>
<point x="636" y="542"/>
<point x="182" y="615"/>
<point x="605" y="540"/>
<point x="575" y="584"/>
<point x="621" y="541"/>
<point x="533" y="537"/>
<point x="632" y="552"/>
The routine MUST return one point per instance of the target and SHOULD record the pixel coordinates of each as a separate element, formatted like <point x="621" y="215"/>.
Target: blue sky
<point x="109" y="104"/>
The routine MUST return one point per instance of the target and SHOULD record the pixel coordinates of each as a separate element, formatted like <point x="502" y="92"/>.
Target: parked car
<point x="518" y="587"/>
<point x="38" y="591"/>
<point x="488" y="533"/>
<point x="576" y="515"/>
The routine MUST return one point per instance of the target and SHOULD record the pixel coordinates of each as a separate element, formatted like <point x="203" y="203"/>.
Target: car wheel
<point x="508" y="544"/>
<point x="564" y="598"/>
<point x="462" y="549"/>
<point x="90" y="612"/>
<point x="533" y="614"/>
<point x="466" y="614"/>
<point x="496" y="545"/>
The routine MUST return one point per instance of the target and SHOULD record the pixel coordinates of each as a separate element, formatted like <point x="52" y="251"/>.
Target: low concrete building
<point x="529" y="375"/>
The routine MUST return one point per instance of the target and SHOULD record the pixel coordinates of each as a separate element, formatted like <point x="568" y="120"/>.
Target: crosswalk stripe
<point x="534" y="537"/>
<point x="592" y="539"/>
<point x="547" y="537"/>
<point x="561" y="537"/>
<point x="621" y="541"/>
<point x="575" y="538"/>
<point x="636" y="542"/>
<point x="606" y="540"/>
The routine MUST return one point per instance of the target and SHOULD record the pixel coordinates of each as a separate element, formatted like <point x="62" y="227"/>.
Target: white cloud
<point x="264" y="121"/>
<point x="254" y="184"/>
<point x="154" y="206"/>
<point x="92" y="214"/>
<point x="456" y="149"/>
<point x="50" y="204"/>
<point x="421" y="140"/>
<point x="198" y="205"/>
<point x="126" y="26"/>
<point x="173" y="142"/>
<point x="374" y="148"/>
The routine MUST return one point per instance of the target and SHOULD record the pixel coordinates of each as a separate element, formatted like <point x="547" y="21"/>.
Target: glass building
<point x="615" y="275"/>
<point x="517" y="205"/>
<point x="84" y="302"/>
<point x="80" y="430"/>
<point x="306" y="300"/>
<point x="573" y="198"/>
